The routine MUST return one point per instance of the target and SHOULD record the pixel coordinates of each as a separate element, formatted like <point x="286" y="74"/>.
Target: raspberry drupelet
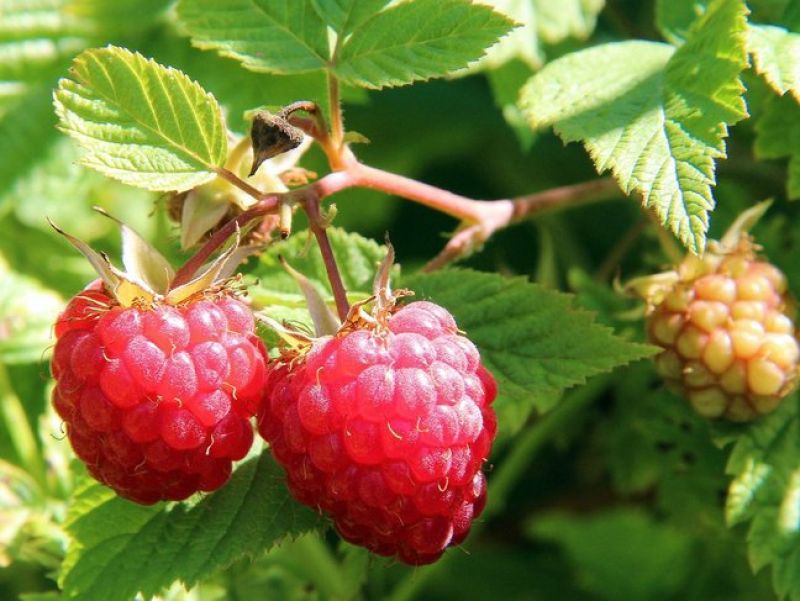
<point x="157" y="399"/>
<point x="727" y="330"/>
<point x="386" y="430"/>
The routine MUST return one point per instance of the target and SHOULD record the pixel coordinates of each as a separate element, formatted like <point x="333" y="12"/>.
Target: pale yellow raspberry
<point x="727" y="330"/>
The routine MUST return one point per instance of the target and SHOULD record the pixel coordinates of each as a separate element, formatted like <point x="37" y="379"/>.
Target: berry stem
<point x="267" y="205"/>
<point x="521" y="454"/>
<point x="318" y="227"/>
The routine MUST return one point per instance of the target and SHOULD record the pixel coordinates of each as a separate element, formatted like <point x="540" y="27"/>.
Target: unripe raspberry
<point x="729" y="339"/>
<point x="386" y="430"/>
<point x="157" y="399"/>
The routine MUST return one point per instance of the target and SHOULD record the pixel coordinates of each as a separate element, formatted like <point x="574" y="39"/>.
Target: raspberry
<point x="728" y="335"/>
<point x="386" y="430"/>
<point x="157" y="400"/>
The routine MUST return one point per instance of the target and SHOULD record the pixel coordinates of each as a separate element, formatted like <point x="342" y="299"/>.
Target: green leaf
<point x="778" y="136"/>
<point x="533" y="340"/>
<point x="418" y="40"/>
<point x="674" y="18"/>
<point x="776" y="57"/>
<point x="765" y="465"/>
<point x="539" y="21"/>
<point x="346" y="15"/>
<point x="27" y="314"/>
<point x="621" y="553"/>
<point x="557" y="21"/>
<point x="140" y="122"/>
<point x="655" y="116"/>
<point x="275" y="36"/>
<point x="119" y="548"/>
<point x="521" y="44"/>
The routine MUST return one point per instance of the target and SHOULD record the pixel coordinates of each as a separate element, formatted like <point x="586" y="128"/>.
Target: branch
<point x="471" y="236"/>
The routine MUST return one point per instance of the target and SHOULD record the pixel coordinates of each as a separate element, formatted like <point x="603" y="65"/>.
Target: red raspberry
<point x="387" y="432"/>
<point x="156" y="400"/>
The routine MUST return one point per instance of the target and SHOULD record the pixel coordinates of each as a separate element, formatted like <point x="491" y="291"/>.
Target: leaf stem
<point x="337" y="122"/>
<point x="525" y="449"/>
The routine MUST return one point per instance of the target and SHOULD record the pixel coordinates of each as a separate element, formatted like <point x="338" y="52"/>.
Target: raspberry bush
<point x="282" y="380"/>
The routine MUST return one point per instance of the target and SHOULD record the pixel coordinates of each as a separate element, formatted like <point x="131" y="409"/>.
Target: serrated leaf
<point x="655" y="116"/>
<point x="776" y="57"/>
<point x="120" y="549"/>
<point x="418" y="40"/>
<point x="534" y="340"/>
<point x="621" y="553"/>
<point x="27" y="314"/>
<point x="765" y="491"/>
<point x="778" y="136"/>
<point x="345" y="15"/>
<point x="274" y="36"/>
<point x="140" y="122"/>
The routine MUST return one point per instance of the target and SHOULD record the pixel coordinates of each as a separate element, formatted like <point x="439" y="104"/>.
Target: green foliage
<point x="27" y="313"/>
<point x="778" y="136"/>
<point x="440" y="36"/>
<point x="120" y="548"/>
<point x="290" y="37"/>
<point x="776" y="57"/>
<point x="608" y="547"/>
<point x="412" y="41"/>
<point x="346" y="15"/>
<point x="643" y="113"/>
<point x="561" y="20"/>
<point x="514" y="324"/>
<point x="764" y="463"/>
<point x="140" y="122"/>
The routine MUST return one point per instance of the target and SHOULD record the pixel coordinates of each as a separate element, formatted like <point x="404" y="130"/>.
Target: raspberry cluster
<point x="156" y="400"/>
<point x="386" y="430"/>
<point x="728" y="335"/>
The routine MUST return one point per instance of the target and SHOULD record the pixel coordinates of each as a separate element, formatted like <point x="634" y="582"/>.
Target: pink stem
<point x="218" y="238"/>
<point x="331" y="267"/>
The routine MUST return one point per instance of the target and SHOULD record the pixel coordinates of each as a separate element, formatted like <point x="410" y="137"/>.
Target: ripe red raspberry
<point x="386" y="430"/>
<point x="156" y="400"/>
<point x="728" y="335"/>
